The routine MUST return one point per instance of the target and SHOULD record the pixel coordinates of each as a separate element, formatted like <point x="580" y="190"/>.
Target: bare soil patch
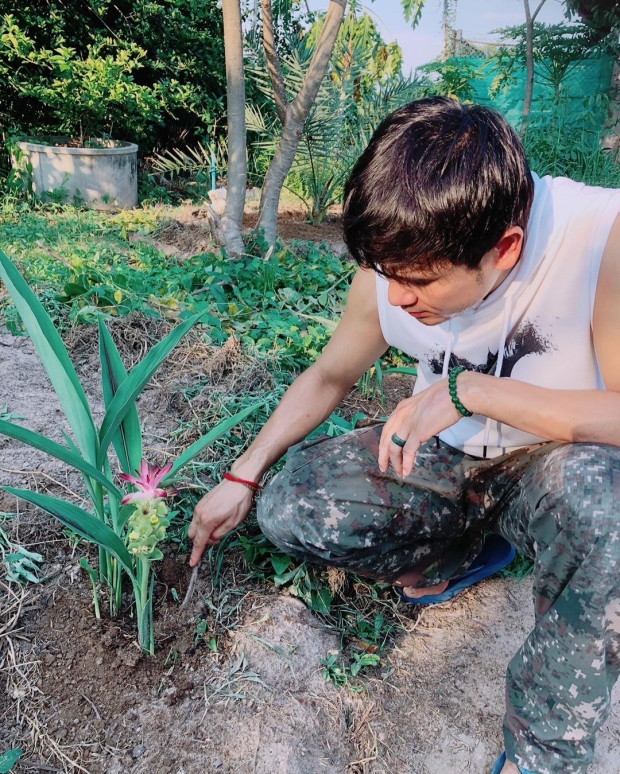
<point x="78" y="696"/>
<point x="185" y="230"/>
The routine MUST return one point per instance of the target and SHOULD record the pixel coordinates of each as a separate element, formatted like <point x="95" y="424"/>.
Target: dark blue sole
<point x="496" y="554"/>
<point x="499" y="765"/>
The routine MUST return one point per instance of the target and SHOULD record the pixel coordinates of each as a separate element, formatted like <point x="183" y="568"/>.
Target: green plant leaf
<point x="129" y="390"/>
<point x="280" y="563"/>
<point x="409" y="370"/>
<point x="54" y="357"/>
<point x="54" y="449"/>
<point x="127" y="441"/>
<point x="8" y="759"/>
<point x="331" y="325"/>
<point x="202" y="443"/>
<point x="81" y="522"/>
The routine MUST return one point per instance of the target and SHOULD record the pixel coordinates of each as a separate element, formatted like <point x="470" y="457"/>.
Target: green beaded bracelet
<point x="452" y="375"/>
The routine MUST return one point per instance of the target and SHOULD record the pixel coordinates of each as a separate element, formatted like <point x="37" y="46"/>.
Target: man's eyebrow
<point x="419" y="281"/>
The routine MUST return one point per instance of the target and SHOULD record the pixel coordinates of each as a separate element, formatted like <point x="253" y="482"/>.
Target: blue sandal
<point x="496" y="554"/>
<point x="499" y="764"/>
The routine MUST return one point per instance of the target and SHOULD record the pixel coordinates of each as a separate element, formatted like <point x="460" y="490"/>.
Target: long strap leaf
<point x="38" y="441"/>
<point x="127" y="441"/>
<point x="202" y="443"/>
<point x="54" y="357"/>
<point x="129" y="390"/>
<point x="80" y="521"/>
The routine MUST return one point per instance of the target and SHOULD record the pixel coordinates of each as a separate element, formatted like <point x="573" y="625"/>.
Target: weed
<point x="342" y="675"/>
<point x="19" y="564"/>
<point x="8" y="759"/>
<point x="520" y="567"/>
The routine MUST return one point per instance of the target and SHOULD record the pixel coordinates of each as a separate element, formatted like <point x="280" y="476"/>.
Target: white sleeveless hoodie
<point x="535" y="327"/>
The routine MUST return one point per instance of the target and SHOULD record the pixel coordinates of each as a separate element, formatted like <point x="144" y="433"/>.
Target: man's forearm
<point x="570" y="416"/>
<point x="306" y="403"/>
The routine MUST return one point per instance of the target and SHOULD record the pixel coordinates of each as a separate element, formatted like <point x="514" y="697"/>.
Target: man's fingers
<point x="396" y="458"/>
<point x="222" y="530"/>
<point x="385" y="443"/>
<point x="409" y="454"/>
<point x="200" y="543"/>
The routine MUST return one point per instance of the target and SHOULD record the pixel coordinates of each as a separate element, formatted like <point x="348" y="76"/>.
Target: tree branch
<point x="307" y="94"/>
<point x="273" y="62"/>
<point x="537" y="11"/>
<point x="296" y="115"/>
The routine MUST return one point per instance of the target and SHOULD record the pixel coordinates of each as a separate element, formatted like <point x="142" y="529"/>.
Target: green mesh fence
<point x="583" y="84"/>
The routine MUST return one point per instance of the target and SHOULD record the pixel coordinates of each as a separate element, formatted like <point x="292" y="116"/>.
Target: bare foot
<point x="510" y="768"/>
<point x="415" y="593"/>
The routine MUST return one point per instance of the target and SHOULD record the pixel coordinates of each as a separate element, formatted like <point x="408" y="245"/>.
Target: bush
<point x="150" y="71"/>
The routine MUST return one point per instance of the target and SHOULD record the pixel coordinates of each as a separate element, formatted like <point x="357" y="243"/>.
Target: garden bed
<point x="237" y="682"/>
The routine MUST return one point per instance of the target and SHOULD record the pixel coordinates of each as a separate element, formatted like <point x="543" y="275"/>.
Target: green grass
<point x="81" y="264"/>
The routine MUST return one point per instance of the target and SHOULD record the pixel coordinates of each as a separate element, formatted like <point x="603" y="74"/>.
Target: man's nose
<point x="398" y="295"/>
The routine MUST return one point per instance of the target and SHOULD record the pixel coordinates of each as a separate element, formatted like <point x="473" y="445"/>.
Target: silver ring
<point x="398" y="441"/>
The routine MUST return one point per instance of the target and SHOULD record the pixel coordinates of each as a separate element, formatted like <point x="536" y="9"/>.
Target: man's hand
<point x="219" y="512"/>
<point x="415" y="420"/>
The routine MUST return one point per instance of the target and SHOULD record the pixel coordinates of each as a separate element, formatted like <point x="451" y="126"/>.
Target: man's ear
<point x="508" y="249"/>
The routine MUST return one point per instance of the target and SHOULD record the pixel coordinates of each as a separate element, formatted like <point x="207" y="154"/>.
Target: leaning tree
<point x="291" y="114"/>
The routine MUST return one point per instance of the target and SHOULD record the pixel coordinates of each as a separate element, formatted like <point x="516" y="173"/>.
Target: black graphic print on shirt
<point x="527" y="340"/>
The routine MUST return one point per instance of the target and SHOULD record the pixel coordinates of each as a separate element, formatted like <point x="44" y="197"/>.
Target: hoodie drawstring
<point x="498" y="368"/>
<point x="448" y="352"/>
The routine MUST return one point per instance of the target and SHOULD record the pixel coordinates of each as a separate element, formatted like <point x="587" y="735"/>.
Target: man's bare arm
<point x="355" y="345"/>
<point x="564" y="415"/>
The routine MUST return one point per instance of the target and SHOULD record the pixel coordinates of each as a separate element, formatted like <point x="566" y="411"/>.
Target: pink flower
<point x="146" y="482"/>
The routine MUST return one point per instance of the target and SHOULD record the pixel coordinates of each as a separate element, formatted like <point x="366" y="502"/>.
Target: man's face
<point x="434" y="298"/>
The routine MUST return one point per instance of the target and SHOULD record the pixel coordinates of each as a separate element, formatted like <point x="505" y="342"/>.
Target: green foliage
<point x="85" y="97"/>
<point x="342" y="675"/>
<point x="557" y="145"/>
<point x="520" y="567"/>
<point x="363" y="84"/>
<point x="601" y="15"/>
<point x="151" y="71"/>
<point x="259" y="301"/>
<point x="127" y="541"/>
<point x="8" y="759"/>
<point x="453" y="78"/>
<point x="300" y="580"/>
<point x="412" y="11"/>
<point x="19" y="564"/>
<point x="558" y="50"/>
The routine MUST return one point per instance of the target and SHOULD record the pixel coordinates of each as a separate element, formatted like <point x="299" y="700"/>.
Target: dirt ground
<point x="186" y="232"/>
<point x="78" y="695"/>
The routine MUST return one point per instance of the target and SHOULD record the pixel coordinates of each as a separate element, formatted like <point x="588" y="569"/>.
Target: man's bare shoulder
<point x="363" y="290"/>
<point x="606" y="317"/>
<point x="358" y="341"/>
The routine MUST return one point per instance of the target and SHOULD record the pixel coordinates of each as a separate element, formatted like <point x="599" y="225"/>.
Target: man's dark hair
<point x="439" y="184"/>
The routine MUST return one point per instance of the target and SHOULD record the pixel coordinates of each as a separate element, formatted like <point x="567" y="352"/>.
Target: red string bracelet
<point x="250" y="484"/>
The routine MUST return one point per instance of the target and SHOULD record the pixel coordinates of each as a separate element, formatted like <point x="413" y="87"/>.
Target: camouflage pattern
<point x="557" y="503"/>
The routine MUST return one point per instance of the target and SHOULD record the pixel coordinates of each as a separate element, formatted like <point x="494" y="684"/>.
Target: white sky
<point x="476" y="18"/>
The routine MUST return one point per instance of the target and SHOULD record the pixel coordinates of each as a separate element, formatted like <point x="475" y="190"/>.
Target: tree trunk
<point x="229" y="228"/>
<point x="295" y="118"/>
<point x="611" y="140"/>
<point x="530" y="18"/>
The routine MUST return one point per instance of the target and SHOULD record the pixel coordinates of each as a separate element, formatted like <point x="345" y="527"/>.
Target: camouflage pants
<point x="557" y="503"/>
